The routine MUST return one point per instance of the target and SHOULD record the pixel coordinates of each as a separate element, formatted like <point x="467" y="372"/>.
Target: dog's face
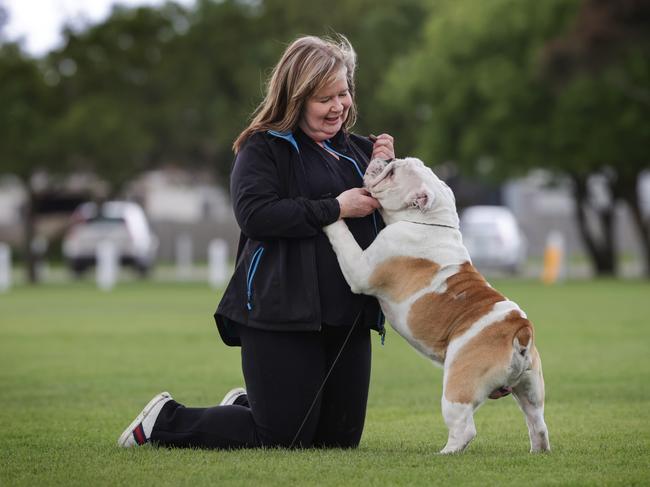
<point x="407" y="184"/>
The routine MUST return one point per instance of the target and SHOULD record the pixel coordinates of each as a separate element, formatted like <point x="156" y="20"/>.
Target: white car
<point x="123" y="223"/>
<point x="493" y="238"/>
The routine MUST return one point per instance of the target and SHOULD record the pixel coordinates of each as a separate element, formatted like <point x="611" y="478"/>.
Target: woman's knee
<point x="345" y="443"/>
<point x="286" y="439"/>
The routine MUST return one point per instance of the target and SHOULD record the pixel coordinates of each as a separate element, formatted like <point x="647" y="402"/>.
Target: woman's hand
<point x="383" y="147"/>
<point x="356" y="203"/>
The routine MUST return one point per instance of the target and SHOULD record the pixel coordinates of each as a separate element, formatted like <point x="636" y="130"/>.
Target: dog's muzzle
<point x="374" y="171"/>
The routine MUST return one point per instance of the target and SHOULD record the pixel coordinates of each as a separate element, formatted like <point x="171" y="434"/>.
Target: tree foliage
<point x="169" y="85"/>
<point x="498" y="87"/>
<point x="600" y="69"/>
<point x="111" y="79"/>
<point x="483" y="90"/>
<point x="472" y="89"/>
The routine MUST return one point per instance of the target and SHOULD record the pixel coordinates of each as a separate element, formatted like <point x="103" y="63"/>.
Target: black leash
<point x="372" y="138"/>
<point x="320" y="389"/>
<point x="431" y="224"/>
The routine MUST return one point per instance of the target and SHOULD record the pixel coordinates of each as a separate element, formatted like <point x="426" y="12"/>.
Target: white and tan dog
<point x="431" y="294"/>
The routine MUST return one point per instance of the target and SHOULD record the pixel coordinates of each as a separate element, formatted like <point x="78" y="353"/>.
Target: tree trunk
<point x="600" y="250"/>
<point x="643" y="229"/>
<point x="625" y="188"/>
<point x="29" y="225"/>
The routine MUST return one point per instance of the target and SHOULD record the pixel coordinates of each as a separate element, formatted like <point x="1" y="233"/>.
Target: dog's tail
<point x="523" y="340"/>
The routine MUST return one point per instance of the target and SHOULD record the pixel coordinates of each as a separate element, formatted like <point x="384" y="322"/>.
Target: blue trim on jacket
<point x="288" y="136"/>
<point x="328" y="146"/>
<point x="230" y="313"/>
<point x="257" y="255"/>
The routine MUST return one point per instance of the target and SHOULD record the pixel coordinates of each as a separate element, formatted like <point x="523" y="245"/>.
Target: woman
<point x="297" y="169"/>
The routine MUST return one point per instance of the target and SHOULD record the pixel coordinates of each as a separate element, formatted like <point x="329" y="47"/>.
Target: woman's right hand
<point x="356" y="203"/>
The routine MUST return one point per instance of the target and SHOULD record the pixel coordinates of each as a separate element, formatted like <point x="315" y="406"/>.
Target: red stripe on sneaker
<point x="138" y="434"/>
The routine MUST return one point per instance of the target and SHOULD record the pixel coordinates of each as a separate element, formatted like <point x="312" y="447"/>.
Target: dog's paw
<point x="450" y="451"/>
<point x="334" y="228"/>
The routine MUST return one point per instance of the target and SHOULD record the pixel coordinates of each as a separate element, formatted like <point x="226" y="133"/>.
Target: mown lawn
<point x="77" y="364"/>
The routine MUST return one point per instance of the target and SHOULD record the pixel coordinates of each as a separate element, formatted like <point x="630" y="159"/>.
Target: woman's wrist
<point x="340" y="204"/>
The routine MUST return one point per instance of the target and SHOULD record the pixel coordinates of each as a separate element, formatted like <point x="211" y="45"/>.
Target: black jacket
<point x="276" y="284"/>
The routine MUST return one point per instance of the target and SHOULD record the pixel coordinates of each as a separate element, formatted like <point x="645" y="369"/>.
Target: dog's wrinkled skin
<point x="431" y="294"/>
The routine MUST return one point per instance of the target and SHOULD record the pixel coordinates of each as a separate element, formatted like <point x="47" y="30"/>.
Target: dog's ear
<point x="422" y="199"/>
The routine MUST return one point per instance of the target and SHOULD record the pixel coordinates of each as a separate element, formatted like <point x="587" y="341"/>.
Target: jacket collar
<point x="288" y="136"/>
<point x="338" y="141"/>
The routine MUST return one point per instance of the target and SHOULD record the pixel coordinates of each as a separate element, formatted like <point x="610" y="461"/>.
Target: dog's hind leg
<point x="459" y="418"/>
<point x="529" y="393"/>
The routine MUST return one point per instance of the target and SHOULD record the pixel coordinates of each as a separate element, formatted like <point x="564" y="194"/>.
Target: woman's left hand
<point x="383" y="148"/>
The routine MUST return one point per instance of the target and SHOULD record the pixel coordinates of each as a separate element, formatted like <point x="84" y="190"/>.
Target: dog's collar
<point x="431" y="224"/>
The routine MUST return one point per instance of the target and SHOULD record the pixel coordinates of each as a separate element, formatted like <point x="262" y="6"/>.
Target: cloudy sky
<point x="39" y="22"/>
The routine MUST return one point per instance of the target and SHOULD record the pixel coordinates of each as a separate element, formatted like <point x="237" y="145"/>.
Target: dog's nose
<point x="375" y="167"/>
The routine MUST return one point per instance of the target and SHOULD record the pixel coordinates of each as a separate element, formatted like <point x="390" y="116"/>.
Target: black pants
<point x="283" y="371"/>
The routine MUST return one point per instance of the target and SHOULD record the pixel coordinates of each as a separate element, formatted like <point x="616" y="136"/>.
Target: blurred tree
<point x="241" y="41"/>
<point x="382" y="32"/>
<point x="4" y="18"/>
<point x="173" y="85"/>
<point x="601" y="67"/>
<point x="170" y="85"/>
<point x="154" y="86"/>
<point x="470" y="92"/>
<point x="111" y="79"/>
<point x="476" y="92"/>
<point x="89" y="106"/>
<point x="28" y="110"/>
<point x="213" y="80"/>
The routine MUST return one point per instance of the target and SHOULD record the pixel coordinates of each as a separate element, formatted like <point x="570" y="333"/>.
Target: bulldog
<point x="432" y="295"/>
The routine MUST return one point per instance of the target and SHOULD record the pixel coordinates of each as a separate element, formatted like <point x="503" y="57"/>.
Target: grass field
<point x="77" y="364"/>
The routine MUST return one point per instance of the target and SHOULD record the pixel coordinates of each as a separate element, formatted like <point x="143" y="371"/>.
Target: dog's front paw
<point x="335" y="228"/>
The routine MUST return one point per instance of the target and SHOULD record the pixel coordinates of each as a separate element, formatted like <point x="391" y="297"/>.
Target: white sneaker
<point x="139" y="431"/>
<point x="232" y="396"/>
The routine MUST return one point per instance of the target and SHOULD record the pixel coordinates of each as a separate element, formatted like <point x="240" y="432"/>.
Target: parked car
<point x="121" y="222"/>
<point x="493" y="238"/>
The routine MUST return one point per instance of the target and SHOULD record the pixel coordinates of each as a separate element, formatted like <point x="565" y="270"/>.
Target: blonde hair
<point x="307" y="65"/>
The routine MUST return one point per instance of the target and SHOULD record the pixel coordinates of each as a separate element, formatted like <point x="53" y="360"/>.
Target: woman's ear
<point x="422" y="199"/>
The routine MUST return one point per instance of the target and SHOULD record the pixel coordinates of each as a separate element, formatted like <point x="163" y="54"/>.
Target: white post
<point x="5" y="267"/>
<point x="217" y="262"/>
<point x="184" y="257"/>
<point x="39" y="249"/>
<point x="107" y="265"/>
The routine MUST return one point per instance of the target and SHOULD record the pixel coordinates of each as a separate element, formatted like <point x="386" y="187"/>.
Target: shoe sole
<point x="128" y="432"/>
<point x="231" y="395"/>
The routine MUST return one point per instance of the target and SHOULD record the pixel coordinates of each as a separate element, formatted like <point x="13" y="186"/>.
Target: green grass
<point x="77" y="364"/>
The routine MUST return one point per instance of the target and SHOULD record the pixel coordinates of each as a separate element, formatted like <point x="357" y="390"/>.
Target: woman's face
<point x="326" y="111"/>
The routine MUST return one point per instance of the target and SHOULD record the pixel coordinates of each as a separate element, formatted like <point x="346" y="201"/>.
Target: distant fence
<point x="199" y="233"/>
<point x="537" y="226"/>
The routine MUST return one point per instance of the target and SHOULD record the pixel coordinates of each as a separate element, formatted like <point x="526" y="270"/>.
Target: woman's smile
<point x="326" y="111"/>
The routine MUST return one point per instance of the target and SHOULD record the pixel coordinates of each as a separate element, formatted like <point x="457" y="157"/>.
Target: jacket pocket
<point x="250" y="275"/>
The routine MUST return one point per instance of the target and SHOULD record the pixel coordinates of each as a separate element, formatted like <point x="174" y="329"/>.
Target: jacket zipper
<point x="380" y="314"/>
<point x="252" y="269"/>
<point x="328" y="146"/>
